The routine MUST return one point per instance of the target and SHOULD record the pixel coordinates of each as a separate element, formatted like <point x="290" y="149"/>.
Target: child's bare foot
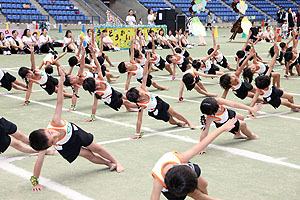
<point x="192" y="126"/>
<point x="181" y="124"/>
<point x="202" y="152"/>
<point x="295" y="109"/>
<point x="132" y="110"/>
<point x="112" y="166"/>
<point x="119" y="168"/>
<point x="51" y="152"/>
<point x="239" y="136"/>
<point x="253" y="137"/>
<point x="113" y="65"/>
<point x="251" y="116"/>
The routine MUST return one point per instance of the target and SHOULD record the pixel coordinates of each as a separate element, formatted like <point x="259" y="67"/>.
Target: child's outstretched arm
<point x="36" y="187"/>
<point x="156" y="191"/>
<point x="247" y="41"/>
<point x="93" y="53"/>
<point x="224" y="95"/>
<point x="60" y="100"/>
<point x="190" y="153"/>
<point x="239" y="105"/>
<point x="180" y="92"/>
<point x="94" y="109"/>
<point x="146" y="71"/>
<point x="276" y="51"/>
<point x="211" y="55"/>
<point x="32" y="59"/>
<point x="214" y="38"/>
<point x="171" y="47"/>
<point x="61" y="55"/>
<point x="132" y="49"/>
<point x="240" y="69"/>
<point x="139" y="122"/>
<point x="82" y="62"/>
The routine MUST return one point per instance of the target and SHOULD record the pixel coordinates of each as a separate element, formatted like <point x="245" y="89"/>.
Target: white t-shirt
<point x="130" y="20"/>
<point x="43" y="39"/>
<point x="285" y="27"/>
<point x="4" y="41"/>
<point x="29" y="39"/>
<point x="11" y="39"/>
<point x="151" y="19"/>
<point x="66" y="41"/>
<point x="170" y="37"/>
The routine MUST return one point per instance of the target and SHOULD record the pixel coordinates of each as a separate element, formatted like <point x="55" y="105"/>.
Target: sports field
<point x="263" y="169"/>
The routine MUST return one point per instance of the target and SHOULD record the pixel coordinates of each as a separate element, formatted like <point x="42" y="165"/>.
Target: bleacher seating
<point x="21" y="11"/>
<point x="63" y="11"/>
<point x="155" y="4"/>
<point x="266" y="7"/>
<point x="286" y="5"/>
<point x="251" y="12"/>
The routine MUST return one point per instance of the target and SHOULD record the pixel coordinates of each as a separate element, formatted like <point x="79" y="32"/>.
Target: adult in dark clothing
<point x="254" y="31"/>
<point x="280" y="16"/>
<point x="298" y="18"/>
<point x="291" y="19"/>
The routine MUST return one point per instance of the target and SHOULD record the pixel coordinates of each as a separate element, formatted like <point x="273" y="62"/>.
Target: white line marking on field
<point x="67" y="192"/>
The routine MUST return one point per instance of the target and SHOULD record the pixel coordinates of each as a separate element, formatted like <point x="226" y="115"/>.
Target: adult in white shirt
<point x="151" y="17"/>
<point x="28" y="39"/>
<point x="130" y="19"/>
<point x="45" y="41"/>
<point x="269" y="35"/>
<point x="69" y="42"/>
<point x="4" y="45"/>
<point x="16" y="43"/>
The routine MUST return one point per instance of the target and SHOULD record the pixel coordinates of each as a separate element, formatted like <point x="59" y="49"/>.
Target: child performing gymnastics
<point x="215" y="112"/>
<point x="218" y="56"/>
<point x="176" y="178"/>
<point x="271" y="94"/>
<point x="8" y="81"/>
<point x="69" y="140"/>
<point x="191" y="80"/>
<point x="241" y="88"/>
<point x="47" y="82"/>
<point x="132" y="68"/>
<point x="102" y="90"/>
<point x="155" y="106"/>
<point x="8" y="129"/>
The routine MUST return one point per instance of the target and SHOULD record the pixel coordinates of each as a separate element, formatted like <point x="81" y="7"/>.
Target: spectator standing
<point x="130" y="19"/>
<point x="208" y="21"/>
<point x="298" y="18"/>
<point x="290" y="19"/>
<point x="151" y="17"/>
<point x="281" y="15"/>
<point x="254" y="31"/>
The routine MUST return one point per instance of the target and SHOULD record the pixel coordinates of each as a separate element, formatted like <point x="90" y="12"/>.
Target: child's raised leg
<point x="204" y="92"/>
<point x="168" y="68"/>
<point x="245" y="130"/>
<point x="290" y="102"/>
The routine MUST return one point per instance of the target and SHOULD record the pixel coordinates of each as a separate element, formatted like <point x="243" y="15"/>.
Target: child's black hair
<point x="100" y="59"/>
<point x="240" y="54"/>
<point x="282" y="44"/>
<point x="225" y="81"/>
<point x="248" y="74"/>
<point x="188" y="79"/>
<point x="178" y="50"/>
<point x="73" y="61"/>
<point x="248" y="47"/>
<point x="168" y="58"/>
<point x="38" y="140"/>
<point x="196" y="64"/>
<point x="136" y="53"/>
<point x="181" y="180"/>
<point x="23" y="71"/>
<point x="271" y="51"/>
<point x="209" y="106"/>
<point x="289" y="49"/>
<point x="67" y="81"/>
<point x="132" y="95"/>
<point x="49" y="69"/>
<point x="121" y="67"/>
<point x="89" y="85"/>
<point x="209" y="51"/>
<point x="262" y="82"/>
<point x="288" y="56"/>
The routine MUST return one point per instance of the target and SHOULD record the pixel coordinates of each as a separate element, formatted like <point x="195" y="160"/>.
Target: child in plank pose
<point x="271" y="94"/>
<point x="156" y="107"/>
<point x="134" y="69"/>
<point x="241" y="88"/>
<point x="215" y="112"/>
<point x="292" y="58"/>
<point x="102" y="90"/>
<point x="8" y="81"/>
<point x="46" y="81"/>
<point x="69" y="140"/>
<point x="218" y="56"/>
<point x="260" y="69"/>
<point x="8" y="129"/>
<point x="191" y="80"/>
<point x="49" y="60"/>
<point x="176" y="177"/>
<point x="206" y="65"/>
